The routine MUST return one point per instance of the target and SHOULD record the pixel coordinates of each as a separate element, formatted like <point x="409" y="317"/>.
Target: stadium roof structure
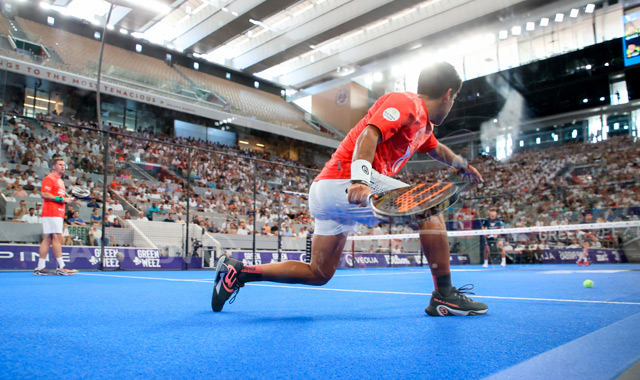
<point x="305" y="43"/>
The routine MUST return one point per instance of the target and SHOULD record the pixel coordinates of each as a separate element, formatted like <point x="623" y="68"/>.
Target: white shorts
<point x="334" y="214"/>
<point x="51" y="225"/>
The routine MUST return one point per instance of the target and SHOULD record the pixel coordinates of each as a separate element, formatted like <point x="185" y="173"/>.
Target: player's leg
<point x="435" y="244"/>
<point x="446" y="300"/>
<point x="326" y="252"/>
<point x="56" y="247"/>
<point x="44" y="251"/>
<point x="485" y="250"/>
<point x="329" y="205"/>
<point x="503" y="252"/>
<point x="231" y="274"/>
<point x="584" y="259"/>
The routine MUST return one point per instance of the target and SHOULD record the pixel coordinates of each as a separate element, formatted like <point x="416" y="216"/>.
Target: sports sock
<point x="41" y="263"/>
<point x="250" y="273"/>
<point x="60" y="262"/>
<point x="486" y="262"/>
<point x="443" y="284"/>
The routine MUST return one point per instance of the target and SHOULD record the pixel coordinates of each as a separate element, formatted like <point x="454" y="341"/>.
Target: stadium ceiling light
<point x="590" y="8"/>
<point x="301" y="11"/>
<point x="516" y="30"/>
<point x="544" y="21"/>
<point x="45" y="5"/>
<point x="151" y="5"/>
<point x="503" y="34"/>
<point x="124" y="31"/>
<point x="530" y="26"/>
<point x="110" y="27"/>
<point x="402" y="14"/>
<point x="41" y="99"/>
<point x="376" y="25"/>
<point x="559" y="17"/>
<point x="574" y="13"/>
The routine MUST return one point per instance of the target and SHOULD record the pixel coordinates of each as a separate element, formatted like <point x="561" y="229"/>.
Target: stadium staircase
<point x="199" y="92"/>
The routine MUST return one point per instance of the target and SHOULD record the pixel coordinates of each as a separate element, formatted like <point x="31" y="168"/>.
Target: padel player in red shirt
<point x="396" y="126"/>
<point x="55" y="200"/>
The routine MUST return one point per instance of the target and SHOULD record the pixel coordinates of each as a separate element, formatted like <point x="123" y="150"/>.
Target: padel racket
<point x="80" y="193"/>
<point x="413" y="204"/>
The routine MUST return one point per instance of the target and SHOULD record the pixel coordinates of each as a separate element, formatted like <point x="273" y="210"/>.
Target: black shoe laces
<point x="465" y="289"/>
<point x="234" y="294"/>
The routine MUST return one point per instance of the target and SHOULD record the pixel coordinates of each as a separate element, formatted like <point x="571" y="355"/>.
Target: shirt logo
<point x="391" y="114"/>
<point x="398" y="164"/>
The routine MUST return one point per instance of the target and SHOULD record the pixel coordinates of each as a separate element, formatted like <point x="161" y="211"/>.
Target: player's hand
<point x="470" y="173"/>
<point x="358" y="194"/>
<point x="69" y="200"/>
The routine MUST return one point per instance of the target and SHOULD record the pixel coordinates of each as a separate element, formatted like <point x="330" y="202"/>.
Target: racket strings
<point x="416" y="196"/>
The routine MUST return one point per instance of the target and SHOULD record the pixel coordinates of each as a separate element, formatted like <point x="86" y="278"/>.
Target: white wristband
<point x="361" y="171"/>
<point x="459" y="163"/>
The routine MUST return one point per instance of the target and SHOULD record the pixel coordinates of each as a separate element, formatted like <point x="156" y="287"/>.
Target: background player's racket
<point x="80" y="193"/>
<point x="413" y="204"/>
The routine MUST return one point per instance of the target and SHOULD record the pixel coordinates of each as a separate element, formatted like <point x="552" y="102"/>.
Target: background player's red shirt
<point x="403" y="120"/>
<point x="54" y="185"/>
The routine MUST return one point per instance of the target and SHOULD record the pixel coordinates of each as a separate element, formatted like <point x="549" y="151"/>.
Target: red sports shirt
<point x="54" y="185"/>
<point x="403" y="120"/>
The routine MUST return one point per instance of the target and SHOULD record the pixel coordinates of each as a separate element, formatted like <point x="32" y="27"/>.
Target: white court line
<point x="413" y="271"/>
<point x="144" y="278"/>
<point x="363" y="291"/>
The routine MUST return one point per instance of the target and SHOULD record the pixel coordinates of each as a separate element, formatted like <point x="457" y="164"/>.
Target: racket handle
<point x="374" y="196"/>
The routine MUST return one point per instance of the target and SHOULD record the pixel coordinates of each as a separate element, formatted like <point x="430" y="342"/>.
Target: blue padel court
<point x="364" y="324"/>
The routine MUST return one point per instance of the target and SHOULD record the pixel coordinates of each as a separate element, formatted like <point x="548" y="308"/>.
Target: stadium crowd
<point x="560" y="185"/>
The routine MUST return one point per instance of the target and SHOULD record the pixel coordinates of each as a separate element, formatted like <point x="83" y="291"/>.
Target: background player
<point x="53" y="193"/>
<point x="493" y="223"/>
<point x="396" y="126"/>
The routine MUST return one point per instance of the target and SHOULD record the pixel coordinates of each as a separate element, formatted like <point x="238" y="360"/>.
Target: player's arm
<point x="50" y="197"/>
<point x="445" y="155"/>
<point x="363" y="154"/>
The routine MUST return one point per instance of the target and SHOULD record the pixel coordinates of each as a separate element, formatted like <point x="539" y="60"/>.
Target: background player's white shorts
<point x="334" y="214"/>
<point x="51" y="225"/>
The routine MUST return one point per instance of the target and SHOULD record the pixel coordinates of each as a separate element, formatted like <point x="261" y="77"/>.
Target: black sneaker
<point x="66" y="271"/>
<point x="455" y="304"/>
<point x="41" y="272"/>
<point x="227" y="282"/>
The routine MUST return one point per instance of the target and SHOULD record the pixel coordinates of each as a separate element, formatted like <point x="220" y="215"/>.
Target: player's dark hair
<point x="436" y="79"/>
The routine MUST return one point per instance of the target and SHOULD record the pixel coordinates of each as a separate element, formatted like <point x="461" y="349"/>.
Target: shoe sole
<point x="60" y="273"/>
<point x="444" y="311"/>
<point x="219" y="267"/>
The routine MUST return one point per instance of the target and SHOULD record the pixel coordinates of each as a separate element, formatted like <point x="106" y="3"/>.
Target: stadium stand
<point x="81" y="54"/>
